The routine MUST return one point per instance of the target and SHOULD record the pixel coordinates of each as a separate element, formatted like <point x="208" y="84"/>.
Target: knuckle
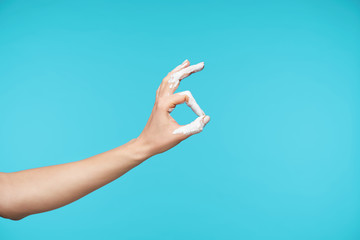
<point x="169" y="74"/>
<point x="187" y="92"/>
<point x="185" y="97"/>
<point x="166" y="79"/>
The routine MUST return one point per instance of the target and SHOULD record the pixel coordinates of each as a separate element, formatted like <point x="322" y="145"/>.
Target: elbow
<point x="10" y="212"/>
<point x="10" y="216"/>
<point x="7" y="209"/>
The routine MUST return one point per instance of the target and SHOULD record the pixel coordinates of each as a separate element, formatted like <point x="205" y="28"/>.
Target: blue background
<point x="279" y="160"/>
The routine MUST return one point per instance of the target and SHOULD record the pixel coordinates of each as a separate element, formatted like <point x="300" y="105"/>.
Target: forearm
<point x="43" y="189"/>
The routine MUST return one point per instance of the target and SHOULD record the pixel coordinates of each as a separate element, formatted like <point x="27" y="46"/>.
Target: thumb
<point x="194" y="127"/>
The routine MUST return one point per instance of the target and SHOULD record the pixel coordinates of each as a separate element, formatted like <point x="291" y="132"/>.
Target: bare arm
<point x="43" y="189"/>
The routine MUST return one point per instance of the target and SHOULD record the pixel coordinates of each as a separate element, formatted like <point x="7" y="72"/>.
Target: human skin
<point x="43" y="189"/>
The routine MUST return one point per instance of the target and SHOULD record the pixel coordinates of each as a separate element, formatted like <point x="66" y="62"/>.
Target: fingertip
<point x="206" y="119"/>
<point x="202" y="64"/>
<point x="198" y="67"/>
<point x="185" y="64"/>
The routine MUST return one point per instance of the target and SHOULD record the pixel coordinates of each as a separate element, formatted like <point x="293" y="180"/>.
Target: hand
<point x="162" y="132"/>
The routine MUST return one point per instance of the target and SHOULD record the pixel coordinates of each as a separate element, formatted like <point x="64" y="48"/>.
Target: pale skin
<point x="43" y="189"/>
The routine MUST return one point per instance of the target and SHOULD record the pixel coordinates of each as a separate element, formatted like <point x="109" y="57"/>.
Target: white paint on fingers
<point x="181" y="66"/>
<point x="194" y="127"/>
<point x="178" y="76"/>
<point x="193" y="104"/>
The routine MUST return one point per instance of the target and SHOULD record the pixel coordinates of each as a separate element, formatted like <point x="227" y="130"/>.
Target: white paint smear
<point x="180" y="66"/>
<point x="178" y="76"/>
<point x="194" y="127"/>
<point x="193" y="104"/>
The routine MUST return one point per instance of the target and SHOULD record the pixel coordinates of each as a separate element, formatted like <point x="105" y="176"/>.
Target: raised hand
<point x="162" y="132"/>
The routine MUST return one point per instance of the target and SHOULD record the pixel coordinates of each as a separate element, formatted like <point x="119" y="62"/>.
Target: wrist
<point x="139" y="150"/>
